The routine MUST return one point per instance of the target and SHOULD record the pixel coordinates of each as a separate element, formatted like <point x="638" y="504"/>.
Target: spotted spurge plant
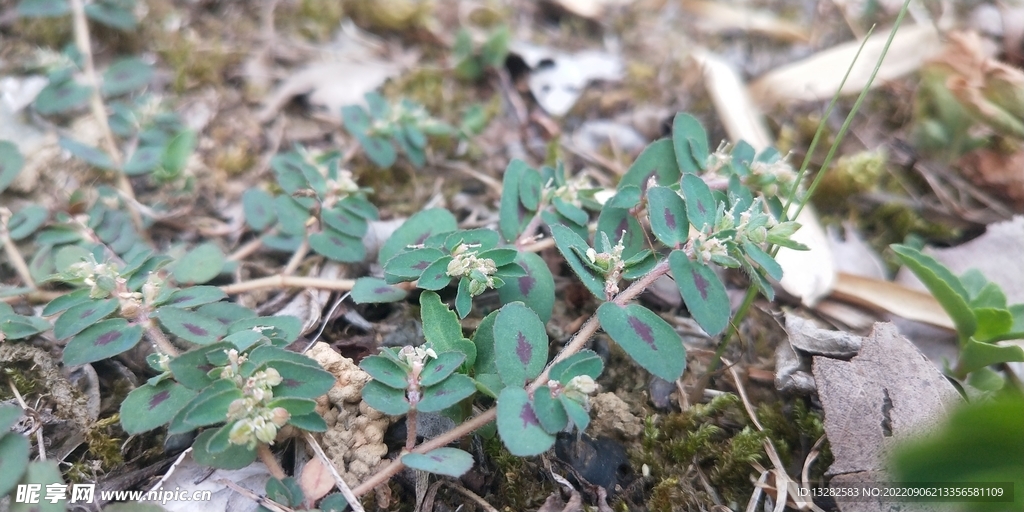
<point x="704" y="209"/>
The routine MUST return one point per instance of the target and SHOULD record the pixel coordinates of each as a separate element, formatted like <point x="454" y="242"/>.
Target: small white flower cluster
<point x="611" y="264"/>
<point x="772" y="179"/>
<point x="720" y="159"/>
<point x="578" y="389"/>
<point x="101" y="278"/>
<point x="707" y="249"/>
<point x="254" y="421"/>
<point x="466" y="263"/>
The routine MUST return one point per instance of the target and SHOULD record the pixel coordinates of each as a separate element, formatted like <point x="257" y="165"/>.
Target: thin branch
<point x="274" y="467"/>
<point x="99" y="110"/>
<point x="282" y="281"/>
<point x="346" y="491"/>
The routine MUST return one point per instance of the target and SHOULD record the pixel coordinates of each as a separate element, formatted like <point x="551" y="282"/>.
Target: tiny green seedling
<point x="379" y="129"/>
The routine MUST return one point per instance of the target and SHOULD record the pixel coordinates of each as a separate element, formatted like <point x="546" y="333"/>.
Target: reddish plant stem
<point x="265" y="455"/>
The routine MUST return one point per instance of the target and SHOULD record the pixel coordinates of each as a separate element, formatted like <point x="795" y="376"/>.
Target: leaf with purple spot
<point x="192" y="368"/>
<point x="657" y="160"/>
<point x="374" y="290"/>
<point x="416" y="230"/>
<point x="78" y="318"/>
<point x="195" y="296"/>
<point x="449" y="392"/>
<point x="690" y="142"/>
<point x="440" y="367"/>
<point x="105" y="339"/>
<point x="344" y="221"/>
<point x="616" y="223"/>
<point x="702" y="291"/>
<point x="385" y="371"/>
<point x="301" y="381"/>
<point x="667" y="213"/>
<point x="385" y="399"/>
<point x="147" y="407"/>
<point x="701" y="207"/>
<point x="646" y="337"/>
<point x="536" y="288"/>
<point x="190" y="325"/>
<point x="409" y="265"/>
<point x="518" y="425"/>
<point x="338" y="246"/>
<point x="435" y="276"/>
<point x="520" y="344"/>
<point x="258" y="207"/>
<point x="441" y="461"/>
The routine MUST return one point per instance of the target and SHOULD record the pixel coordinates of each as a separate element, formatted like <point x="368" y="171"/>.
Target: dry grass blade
<point x="892" y="297"/>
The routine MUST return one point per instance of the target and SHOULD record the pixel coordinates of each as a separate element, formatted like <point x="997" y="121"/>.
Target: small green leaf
<point x="442" y="461"/>
<point x="355" y="119"/>
<point x="195" y="296"/>
<point x="147" y="407"/>
<point x="690" y="142"/>
<point x="374" y="290"/>
<point x="11" y="163"/>
<point x="442" y="329"/>
<point x="190" y="326"/>
<point x="27" y="220"/>
<point x="763" y="260"/>
<point x="301" y="381"/>
<point x="992" y="323"/>
<point x="261" y="356"/>
<point x="536" y="288"/>
<point x="334" y="503"/>
<point x="105" y="339"/>
<point x="489" y="384"/>
<point x="701" y="207"/>
<point x="192" y="368"/>
<point x="286" y="492"/>
<point x="550" y="411"/>
<point x="78" y="318"/>
<point x="658" y="160"/>
<point x="258" y="207"/>
<point x="311" y="422"/>
<point x="385" y="371"/>
<point x="379" y="150"/>
<point x="44" y="474"/>
<point x="201" y="264"/>
<point x="518" y="425"/>
<point x="449" y="392"/>
<point x="14" y="453"/>
<point x="566" y="240"/>
<point x="294" y="406"/>
<point x="463" y="299"/>
<point x="615" y="222"/>
<point x="703" y="293"/>
<point x="178" y="151"/>
<point x="577" y="413"/>
<point x="226" y="312"/>
<point x="409" y="265"/>
<point x="573" y="213"/>
<point x="435" y="277"/>
<point x="512" y="214"/>
<point x="585" y="362"/>
<point x="284" y="328"/>
<point x="143" y="160"/>
<point x="126" y="75"/>
<point x="61" y="97"/>
<point x="111" y="15"/>
<point x="9" y="415"/>
<point x="520" y="344"/>
<point x="90" y="155"/>
<point x="483" y="338"/>
<point x="945" y="286"/>
<point x="42" y="9"/>
<point x="418" y="228"/>
<point x="244" y="340"/>
<point x="385" y="399"/>
<point x="646" y="337"/>
<point x="439" y="368"/>
<point x="483" y="238"/>
<point x="338" y="246"/>
<point x="626" y="197"/>
<point x="344" y="221"/>
<point x="667" y="213"/>
<point x="235" y="456"/>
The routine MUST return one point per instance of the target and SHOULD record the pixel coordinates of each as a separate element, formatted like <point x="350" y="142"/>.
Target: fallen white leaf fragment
<point x="557" y="79"/>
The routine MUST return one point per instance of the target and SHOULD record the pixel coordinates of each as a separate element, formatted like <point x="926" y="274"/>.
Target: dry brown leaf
<point x="819" y="76"/>
<point x="895" y="298"/>
<point x="316" y="480"/>
<point x="719" y="17"/>
<point x="887" y="393"/>
<point x="997" y="172"/>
